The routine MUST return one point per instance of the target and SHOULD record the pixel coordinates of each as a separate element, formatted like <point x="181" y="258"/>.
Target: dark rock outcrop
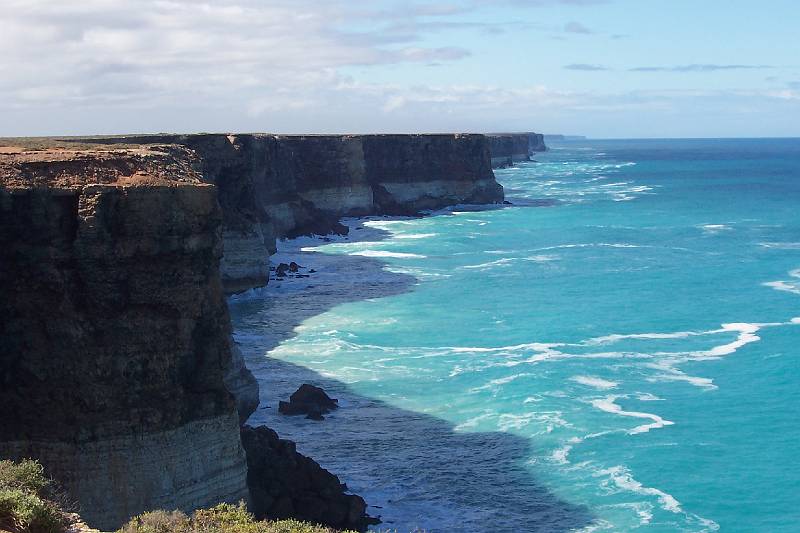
<point x="310" y="401"/>
<point x="284" y="483"/>
<point x="115" y="336"/>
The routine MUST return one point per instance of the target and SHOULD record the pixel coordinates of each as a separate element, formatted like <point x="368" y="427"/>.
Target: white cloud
<point x="105" y="66"/>
<point x="57" y="53"/>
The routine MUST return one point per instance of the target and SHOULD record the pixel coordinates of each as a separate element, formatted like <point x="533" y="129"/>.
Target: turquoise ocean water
<point x="619" y="350"/>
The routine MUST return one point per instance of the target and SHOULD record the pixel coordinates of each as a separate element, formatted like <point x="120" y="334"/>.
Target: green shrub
<point x="223" y="518"/>
<point x="158" y="522"/>
<point x="27" y="475"/>
<point x="23" y="511"/>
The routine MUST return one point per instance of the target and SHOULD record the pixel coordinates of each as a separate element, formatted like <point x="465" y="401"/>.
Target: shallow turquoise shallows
<point x="618" y="350"/>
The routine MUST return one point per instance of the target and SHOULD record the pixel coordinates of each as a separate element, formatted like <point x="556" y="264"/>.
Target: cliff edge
<point x="117" y="368"/>
<point x="276" y="186"/>
<point x="115" y="336"/>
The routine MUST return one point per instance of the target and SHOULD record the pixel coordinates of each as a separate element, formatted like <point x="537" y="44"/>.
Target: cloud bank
<point x="295" y="66"/>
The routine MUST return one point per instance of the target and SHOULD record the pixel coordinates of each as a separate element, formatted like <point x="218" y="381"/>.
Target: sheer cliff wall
<point x="115" y="337"/>
<point x="275" y="186"/>
<point x="117" y="368"/>
<point x="509" y="148"/>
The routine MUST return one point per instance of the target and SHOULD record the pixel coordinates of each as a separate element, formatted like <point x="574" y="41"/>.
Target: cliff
<point x="508" y="148"/>
<point x="116" y="362"/>
<point x="536" y="143"/>
<point x="115" y="337"/>
<point x="275" y="186"/>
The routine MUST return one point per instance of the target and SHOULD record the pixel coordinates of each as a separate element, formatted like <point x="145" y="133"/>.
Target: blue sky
<point x="603" y="68"/>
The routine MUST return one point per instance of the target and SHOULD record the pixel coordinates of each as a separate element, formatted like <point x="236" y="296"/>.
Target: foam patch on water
<point x="781" y="245"/>
<point x="714" y="229"/>
<point x="386" y="253"/>
<point x="542" y="258"/>
<point x="415" y="236"/>
<point x="608" y="405"/>
<point x="648" y="397"/>
<point x="544" y="421"/>
<point x="746" y="336"/>
<point x="510" y="261"/>
<point x="475" y="421"/>
<point x="495" y="383"/>
<point x="597" y="383"/>
<point x="592" y="245"/>
<point x="622" y="479"/>
<point x="491" y="264"/>
<point x="792" y="286"/>
<point x="668" y="372"/>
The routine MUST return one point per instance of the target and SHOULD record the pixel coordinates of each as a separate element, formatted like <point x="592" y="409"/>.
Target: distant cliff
<point x="508" y="148"/>
<point x="275" y="186"/>
<point x="115" y="337"/>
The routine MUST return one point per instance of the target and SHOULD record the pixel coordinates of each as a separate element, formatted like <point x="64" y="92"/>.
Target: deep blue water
<point x="618" y="350"/>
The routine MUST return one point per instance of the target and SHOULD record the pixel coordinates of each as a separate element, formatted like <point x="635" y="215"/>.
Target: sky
<point x="601" y="68"/>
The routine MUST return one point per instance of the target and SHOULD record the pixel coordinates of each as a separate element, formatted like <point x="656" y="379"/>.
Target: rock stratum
<point x="117" y="367"/>
<point x="276" y="186"/>
<point x="509" y="148"/>
<point x="115" y="338"/>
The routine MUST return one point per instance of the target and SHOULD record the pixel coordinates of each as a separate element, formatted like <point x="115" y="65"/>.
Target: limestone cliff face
<point x="116" y="359"/>
<point x="275" y="186"/>
<point x="115" y="338"/>
<point x="536" y="142"/>
<point x="508" y="148"/>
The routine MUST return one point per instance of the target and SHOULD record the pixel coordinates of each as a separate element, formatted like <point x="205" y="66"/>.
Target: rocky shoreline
<point x="118" y="365"/>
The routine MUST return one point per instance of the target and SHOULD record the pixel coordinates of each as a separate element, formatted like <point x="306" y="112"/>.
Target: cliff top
<point x="133" y="141"/>
<point x="24" y="165"/>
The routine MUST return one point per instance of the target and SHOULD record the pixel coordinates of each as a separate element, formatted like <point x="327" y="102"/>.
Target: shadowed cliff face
<point x="275" y="186"/>
<point x="508" y="148"/>
<point x="536" y="142"/>
<point x="116" y="358"/>
<point x="115" y="335"/>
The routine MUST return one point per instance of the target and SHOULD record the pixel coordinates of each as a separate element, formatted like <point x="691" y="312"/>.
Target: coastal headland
<point x="116" y="254"/>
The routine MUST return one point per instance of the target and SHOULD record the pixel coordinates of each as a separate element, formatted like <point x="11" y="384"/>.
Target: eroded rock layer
<point x="116" y="359"/>
<point x="115" y="337"/>
<point x="509" y="148"/>
<point x="274" y="186"/>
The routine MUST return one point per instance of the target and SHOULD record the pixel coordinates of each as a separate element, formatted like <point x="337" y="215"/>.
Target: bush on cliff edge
<point x="223" y="518"/>
<point x="26" y="504"/>
<point x="31" y="503"/>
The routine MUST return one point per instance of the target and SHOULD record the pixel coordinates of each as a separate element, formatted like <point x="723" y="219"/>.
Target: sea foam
<point x="608" y="405"/>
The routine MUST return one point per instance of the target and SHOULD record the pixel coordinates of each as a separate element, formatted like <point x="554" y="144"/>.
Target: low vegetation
<point x="223" y="518"/>
<point x="28" y="500"/>
<point x="31" y="503"/>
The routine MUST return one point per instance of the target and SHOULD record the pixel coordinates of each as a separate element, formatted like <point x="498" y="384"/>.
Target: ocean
<point x="618" y="350"/>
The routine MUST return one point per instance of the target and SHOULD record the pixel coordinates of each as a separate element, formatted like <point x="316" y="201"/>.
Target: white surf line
<point x="414" y="236"/>
<point x="384" y="253"/>
<point x="787" y="286"/>
<point x="622" y="479"/>
<point x="666" y="362"/>
<point x="499" y="262"/>
<point x="608" y="405"/>
<point x="714" y="229"/>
